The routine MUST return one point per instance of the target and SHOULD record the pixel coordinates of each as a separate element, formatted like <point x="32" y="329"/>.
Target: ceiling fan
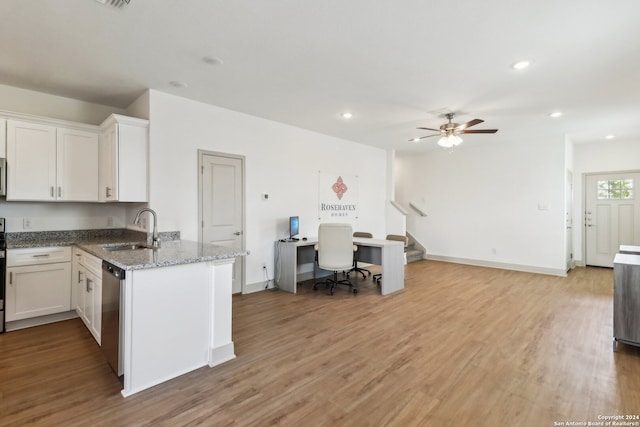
<point x="450" y="132"/>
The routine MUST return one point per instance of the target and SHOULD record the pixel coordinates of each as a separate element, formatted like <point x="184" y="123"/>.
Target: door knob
<point x="238" y="233"/>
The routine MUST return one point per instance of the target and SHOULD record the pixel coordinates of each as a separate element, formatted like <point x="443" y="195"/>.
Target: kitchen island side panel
<point x="166" y="324"/>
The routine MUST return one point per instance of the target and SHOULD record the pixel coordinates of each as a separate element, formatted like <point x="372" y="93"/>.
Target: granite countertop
<point x="170" y="252"/>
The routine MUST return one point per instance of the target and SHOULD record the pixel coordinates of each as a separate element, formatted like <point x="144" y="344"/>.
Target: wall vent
<point x="114" y="3"/>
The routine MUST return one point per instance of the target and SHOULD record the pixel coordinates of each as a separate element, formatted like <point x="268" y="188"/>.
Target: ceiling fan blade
<point x="435" y="130"/>
<point x="469" y="124"/>
<point x="423" y="137"/>
<point x="480" y="131"/>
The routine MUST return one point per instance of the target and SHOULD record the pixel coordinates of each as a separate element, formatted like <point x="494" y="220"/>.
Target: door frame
<point x="583" y="212"/>
<point x="242" y="159"/>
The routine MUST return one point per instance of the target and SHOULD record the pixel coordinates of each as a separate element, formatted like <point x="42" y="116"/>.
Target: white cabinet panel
<point x="123" y="159"/>
<point x="37" y="290"/>
<point x="47" y="163"/>
<point x="88" y="284"/>
<point x="31" y="161"/>
<point x="77" y="161"/>
<point x="3" y="138"/>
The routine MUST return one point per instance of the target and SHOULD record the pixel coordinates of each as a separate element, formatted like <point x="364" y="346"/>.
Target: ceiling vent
<point x="114" y="3"/>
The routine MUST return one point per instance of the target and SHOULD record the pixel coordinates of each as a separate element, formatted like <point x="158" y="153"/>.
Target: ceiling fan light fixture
<point x="449" y="141"/>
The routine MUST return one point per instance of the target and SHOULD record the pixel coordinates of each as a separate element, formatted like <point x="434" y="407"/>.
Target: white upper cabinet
<point x="123" y="159"/>
<point x="3" y="138"/>
<point x="77" y="165"/>
<point x="31" y="161"/>
<point x="50" y="163"/>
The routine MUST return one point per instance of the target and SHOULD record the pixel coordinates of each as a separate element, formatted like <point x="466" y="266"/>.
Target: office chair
<point x="377" y="277"/>
<point x="335" y="250"/>
<point x="355" y="256"/>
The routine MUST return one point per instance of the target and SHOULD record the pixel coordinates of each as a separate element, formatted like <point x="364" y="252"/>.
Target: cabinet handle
<point x="79" y="276"/>
<point x="108" y="192"/>
<point x="59" y="191"/>
<point x="41" y="255"/>
<point x="11" y="277"/>
<point x="52" y="191"/>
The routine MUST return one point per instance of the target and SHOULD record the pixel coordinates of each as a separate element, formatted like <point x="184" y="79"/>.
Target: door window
<point x="615" y="189"/>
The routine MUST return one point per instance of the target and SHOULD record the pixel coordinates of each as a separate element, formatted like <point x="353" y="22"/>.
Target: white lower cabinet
<point x="38" y="282"/>
<point x="88" y="283"/>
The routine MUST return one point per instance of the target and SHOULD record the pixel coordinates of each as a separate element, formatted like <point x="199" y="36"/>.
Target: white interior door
<point x="222" y="202"/>
<point x="612" y="216"/>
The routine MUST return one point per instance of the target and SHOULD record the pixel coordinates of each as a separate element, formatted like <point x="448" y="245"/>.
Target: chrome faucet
<point x="136" y="221"/>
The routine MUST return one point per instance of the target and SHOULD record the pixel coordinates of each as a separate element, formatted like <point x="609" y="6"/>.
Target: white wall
<point x="57" y="216"/>
<point x="282" y="161"/>
<point x="604" y="157"/>
<point x="483" y="203"/>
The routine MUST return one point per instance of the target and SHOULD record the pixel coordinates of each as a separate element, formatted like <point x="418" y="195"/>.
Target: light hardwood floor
<point x="460" y="346"/>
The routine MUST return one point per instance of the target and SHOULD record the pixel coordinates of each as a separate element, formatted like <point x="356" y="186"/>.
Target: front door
<point x="222" y="204"/>
<point x="612" y="215"/>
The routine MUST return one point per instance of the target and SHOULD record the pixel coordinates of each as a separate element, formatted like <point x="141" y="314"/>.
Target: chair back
<point x="362" y="234"/>
<point x="335" y="246"/>
<point x="398" y="238"/>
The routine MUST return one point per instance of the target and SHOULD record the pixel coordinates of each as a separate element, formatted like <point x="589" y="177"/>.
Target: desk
<point x="387" y="253"/>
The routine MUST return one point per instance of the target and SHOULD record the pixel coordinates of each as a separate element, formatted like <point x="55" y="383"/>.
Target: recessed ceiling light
<point x="521" y="65"/>
<point x="555" y="114"/>
<point x="347" y="115"/>
<point x="178" y="84"/>
<point x="610" y="136"/>
<point x="212" y="60"/>
<point x="416" y="139"/>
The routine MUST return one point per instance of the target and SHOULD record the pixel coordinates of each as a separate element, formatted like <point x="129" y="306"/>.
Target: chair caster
<point x="355" y="291"/>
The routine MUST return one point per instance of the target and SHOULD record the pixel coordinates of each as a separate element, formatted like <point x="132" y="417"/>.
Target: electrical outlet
<point x="110" y="221"/>
<point x="26" y="223"/>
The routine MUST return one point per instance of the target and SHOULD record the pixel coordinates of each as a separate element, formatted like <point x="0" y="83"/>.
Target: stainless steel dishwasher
<point x="112" y="278"/>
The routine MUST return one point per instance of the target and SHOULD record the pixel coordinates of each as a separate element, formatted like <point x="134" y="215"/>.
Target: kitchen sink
<point x="131" y="247"/>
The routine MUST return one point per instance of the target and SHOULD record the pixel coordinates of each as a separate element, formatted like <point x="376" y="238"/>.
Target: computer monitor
<point x="294" y="227"/>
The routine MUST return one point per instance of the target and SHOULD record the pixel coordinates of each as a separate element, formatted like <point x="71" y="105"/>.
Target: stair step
<point x="414" y="255"/>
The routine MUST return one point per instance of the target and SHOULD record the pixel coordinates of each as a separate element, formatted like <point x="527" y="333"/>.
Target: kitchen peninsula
<point x="175" y="306"/>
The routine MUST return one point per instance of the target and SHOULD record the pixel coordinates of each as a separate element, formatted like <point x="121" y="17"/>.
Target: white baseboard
<point x="501" y="265"/>
<point x="40" y="320"/>
<point x="221" y="354"/>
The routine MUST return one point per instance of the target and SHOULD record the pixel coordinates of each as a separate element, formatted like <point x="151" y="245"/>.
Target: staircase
<point x="413" y="250"/>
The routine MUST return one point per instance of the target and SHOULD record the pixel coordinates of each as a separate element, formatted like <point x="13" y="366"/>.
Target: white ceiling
<point x="395" y="64"/>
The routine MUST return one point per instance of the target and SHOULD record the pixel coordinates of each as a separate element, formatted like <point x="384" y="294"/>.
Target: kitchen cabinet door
<point x="77" y="165"/>
<point x="93" y="304"/>
<point x="31" y="161"/>
<point x="3" y="138"/>
<point x="123" y="159"/>
<point x="36" y="290"/>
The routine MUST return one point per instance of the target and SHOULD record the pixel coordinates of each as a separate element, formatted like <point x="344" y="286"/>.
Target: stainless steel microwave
<point x="3" y="177"/>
